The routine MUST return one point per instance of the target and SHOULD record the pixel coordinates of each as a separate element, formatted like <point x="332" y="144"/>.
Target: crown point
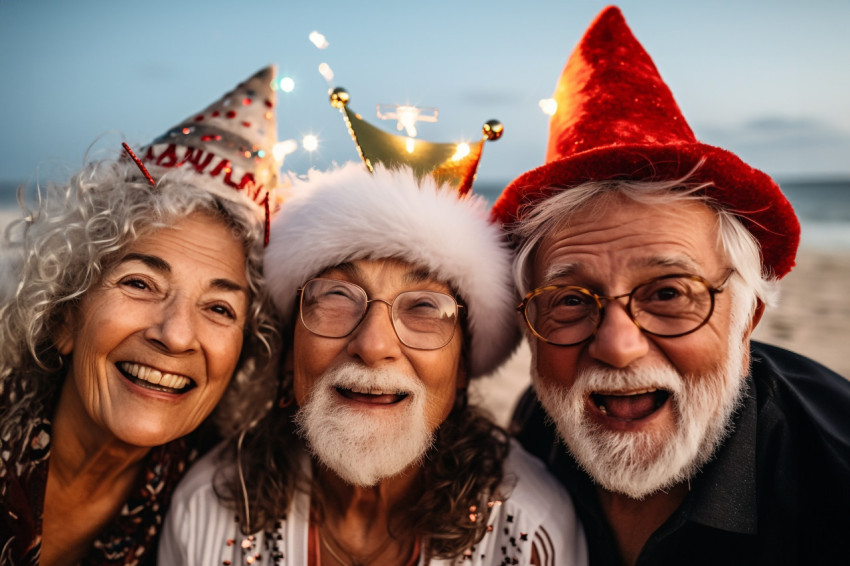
<point x="339" y="97"/>
<point x="493" y="129"/>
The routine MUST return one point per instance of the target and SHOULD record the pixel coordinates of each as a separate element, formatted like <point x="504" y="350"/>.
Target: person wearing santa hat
<point x="395" y="292"/>
<point x="645" y="259"/>
<point x="136" y="303"/>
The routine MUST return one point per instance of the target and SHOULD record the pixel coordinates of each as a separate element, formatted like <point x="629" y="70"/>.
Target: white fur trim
<point x="348" y="214"/>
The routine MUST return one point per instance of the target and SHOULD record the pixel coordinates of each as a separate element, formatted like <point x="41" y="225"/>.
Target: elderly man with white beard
<point x="646" y="259"/>
<point x="394" y="293"/>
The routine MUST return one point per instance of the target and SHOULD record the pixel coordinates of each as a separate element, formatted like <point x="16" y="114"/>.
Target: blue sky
<point x="769" y="80"/>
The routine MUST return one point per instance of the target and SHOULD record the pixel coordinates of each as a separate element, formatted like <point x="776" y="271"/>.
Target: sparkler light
<point x="549" y="106"/>
<point x="287" y="84"/>
<point x="318" y="40"/>
<point x="461" y="151"/>
<point x="407" y="116"/>
<point x="326" y="72"/>
<point x="310" y="142"/>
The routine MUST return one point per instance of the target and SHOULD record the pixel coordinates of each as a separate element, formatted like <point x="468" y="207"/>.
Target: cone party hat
<point x="617" y="119"/>
<point x="230" y="143"/>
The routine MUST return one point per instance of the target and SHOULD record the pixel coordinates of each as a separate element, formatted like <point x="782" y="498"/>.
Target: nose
<point x="618" y="341"/>
<point x="374" y="340"/>
<point x="174" y="329"/>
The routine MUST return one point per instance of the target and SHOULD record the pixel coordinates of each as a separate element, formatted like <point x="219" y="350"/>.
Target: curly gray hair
<point x="76" y="233"/>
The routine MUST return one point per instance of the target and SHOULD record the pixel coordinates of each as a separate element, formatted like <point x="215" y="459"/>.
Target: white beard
<point x="638" y="464"/>
<point x="360" y="447"/>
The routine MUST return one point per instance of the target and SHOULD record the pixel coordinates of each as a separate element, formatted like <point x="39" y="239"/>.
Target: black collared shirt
<point x="776" y="492"/>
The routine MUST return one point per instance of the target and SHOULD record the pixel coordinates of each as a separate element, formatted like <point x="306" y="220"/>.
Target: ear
<point x="63" y="337"/>
<point x="462" y="376"/>
<point x="288" y="363"/>
<point x="756" y="318"/>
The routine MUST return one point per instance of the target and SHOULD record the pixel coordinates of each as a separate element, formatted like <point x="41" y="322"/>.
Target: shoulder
<point x="536" y="510"/>
<point x="198" y="481"/>
<point x="198" y="524"/>
<point x="533" y="485"/>
<point x="802" y="405"/>
<point x="800" y="386"/>
<point x="789" y="365"/>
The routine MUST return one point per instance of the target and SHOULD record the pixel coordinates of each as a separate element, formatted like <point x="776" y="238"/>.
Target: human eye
<point x="224" y="310"/>
<point x="328" y="299"/>
<point x="138" y="284"/>
<point x="423" y="303"/>
<point x="669" y="296"/>
<point x="568" y="299"/>
<point x="336" y="294"/>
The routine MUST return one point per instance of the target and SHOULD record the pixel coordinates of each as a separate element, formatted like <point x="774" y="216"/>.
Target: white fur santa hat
<point x="348" y="214"/>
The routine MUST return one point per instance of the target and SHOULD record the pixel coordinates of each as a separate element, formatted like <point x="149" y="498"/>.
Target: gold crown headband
<point x="452" y="163"/>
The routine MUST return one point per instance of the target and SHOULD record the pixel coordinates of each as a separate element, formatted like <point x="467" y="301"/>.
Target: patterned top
<point x="128" y="540"/>
<point x="201" y="531"/>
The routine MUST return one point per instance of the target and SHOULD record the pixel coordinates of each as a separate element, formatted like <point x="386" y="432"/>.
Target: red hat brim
<point x="743" y="190"/>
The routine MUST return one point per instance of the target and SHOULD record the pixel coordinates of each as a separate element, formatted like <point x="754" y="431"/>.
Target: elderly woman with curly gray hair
<point x="138" y="300"/>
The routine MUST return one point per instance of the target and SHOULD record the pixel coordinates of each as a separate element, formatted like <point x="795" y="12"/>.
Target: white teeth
<point x="627" y="393"/>
<point x="642" y="391"/>
<point x="603" y="409"/>
<point x="154" y="376"/>
<point x="370" y="391"/>
<point x="365" y="391"/>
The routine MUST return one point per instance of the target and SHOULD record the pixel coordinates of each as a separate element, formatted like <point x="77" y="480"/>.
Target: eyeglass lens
<point x="667" y="306"/>
<point x="422" y="319"/>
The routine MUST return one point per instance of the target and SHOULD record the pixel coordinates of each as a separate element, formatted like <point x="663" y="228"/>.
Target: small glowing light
<point x="287" y="84"/>
<point x="461" y="151"/>
<point x="310" y="142"/>
<point x="326" y="72"/>
<point x="407" y="116"/>
<point x="549" y="106"/>
<point x="318" y="40"/>
<point x="284" y="148"/>
<point x="410" y="144"/>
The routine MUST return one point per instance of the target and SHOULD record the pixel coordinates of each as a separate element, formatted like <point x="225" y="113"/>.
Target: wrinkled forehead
<point x="622" y="234"/>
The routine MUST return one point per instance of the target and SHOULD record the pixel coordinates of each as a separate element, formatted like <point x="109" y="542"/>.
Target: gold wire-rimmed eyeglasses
<point x="422" y="319"/>
<point x="668" y="306"/>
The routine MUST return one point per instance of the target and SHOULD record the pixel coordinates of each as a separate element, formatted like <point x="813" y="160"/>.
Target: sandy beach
<point x="812" y="318"/>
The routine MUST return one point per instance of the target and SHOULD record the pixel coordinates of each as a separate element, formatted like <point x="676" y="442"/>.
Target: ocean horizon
<point x="823" y="206"/>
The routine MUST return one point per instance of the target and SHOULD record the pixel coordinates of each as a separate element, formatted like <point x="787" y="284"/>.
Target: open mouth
<point x="631" y="406"/>
<point x="372" y="396"/>
<point x="153" y="379"/>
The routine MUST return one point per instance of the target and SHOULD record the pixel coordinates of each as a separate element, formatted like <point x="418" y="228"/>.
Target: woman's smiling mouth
<point x="145" y="376"/>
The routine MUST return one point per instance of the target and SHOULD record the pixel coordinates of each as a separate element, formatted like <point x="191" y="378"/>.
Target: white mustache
<point x="603" y="380"/>
<point x="361" y="379"/>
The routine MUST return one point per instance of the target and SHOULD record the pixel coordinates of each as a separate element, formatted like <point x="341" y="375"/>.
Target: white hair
<point x="739" y="246"/>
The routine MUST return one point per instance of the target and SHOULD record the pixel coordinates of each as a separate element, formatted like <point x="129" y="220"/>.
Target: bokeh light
<point x="287" y="84"/>
<point x="310" y="142"/>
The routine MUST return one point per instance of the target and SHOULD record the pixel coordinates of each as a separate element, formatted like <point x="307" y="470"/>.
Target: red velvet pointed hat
<point x="617" y="119"/>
